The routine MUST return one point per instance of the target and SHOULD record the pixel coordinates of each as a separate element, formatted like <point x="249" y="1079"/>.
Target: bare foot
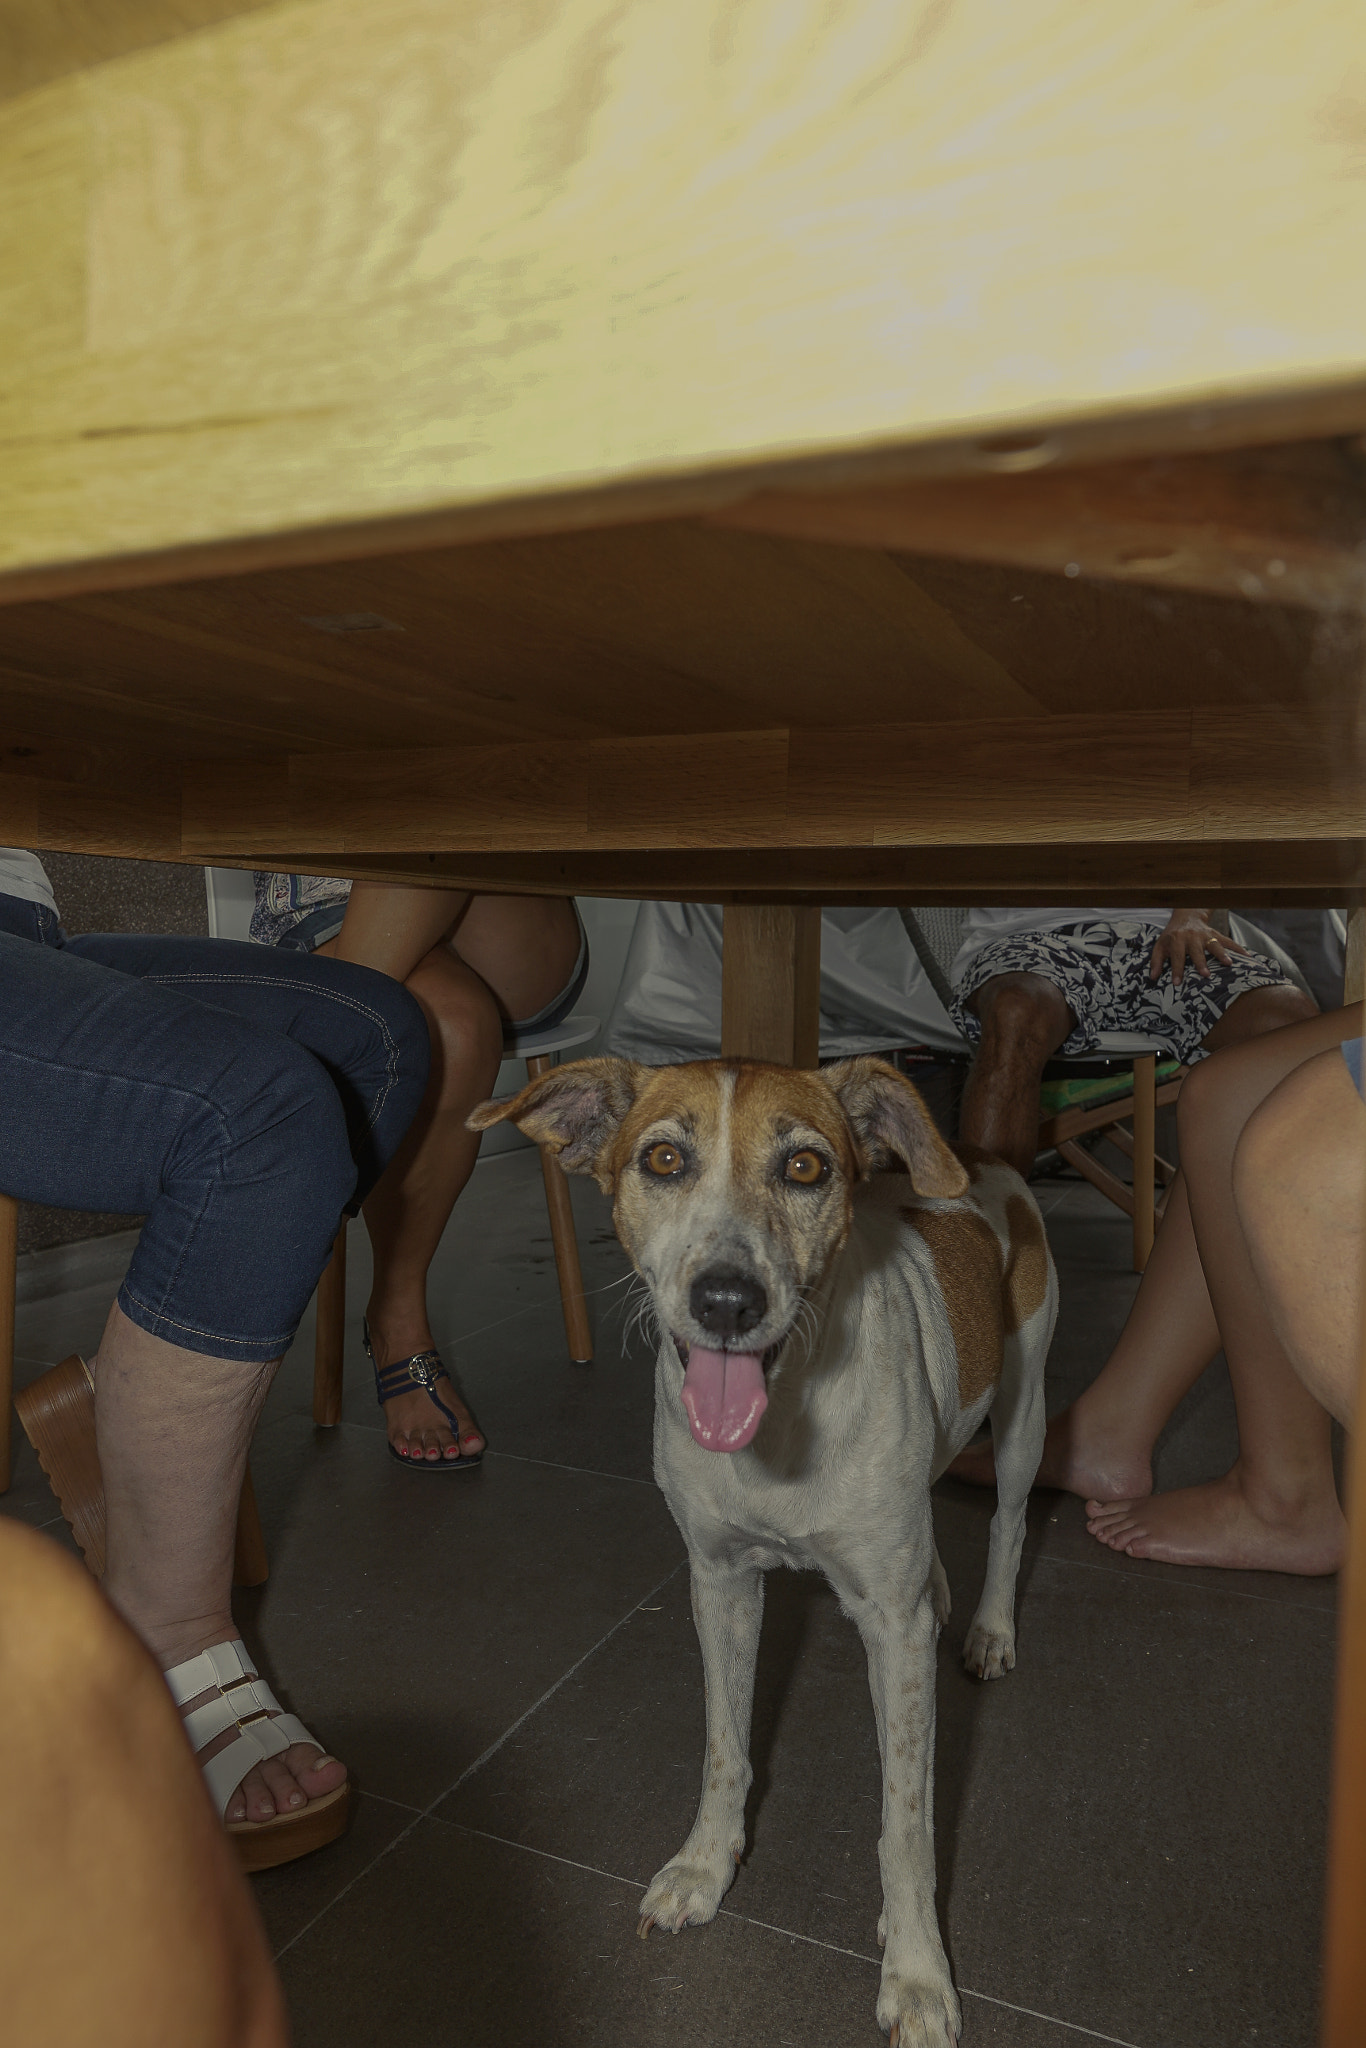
<point x="1080" y="1455"/>
<point x="1218" y="1524"/>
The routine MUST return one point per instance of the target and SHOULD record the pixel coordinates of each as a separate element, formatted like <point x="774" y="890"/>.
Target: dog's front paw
<point x="683" y="1895"/>
<point x="989" y="1652"/>
<point x="918" y="2015"/>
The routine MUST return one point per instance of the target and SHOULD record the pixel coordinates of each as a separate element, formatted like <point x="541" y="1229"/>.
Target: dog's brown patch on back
<point x="1026" y="1262"/>
<point x="967" y="1258"/>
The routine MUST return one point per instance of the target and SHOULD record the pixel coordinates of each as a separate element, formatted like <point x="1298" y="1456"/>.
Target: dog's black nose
<point x="727" y="1302"/>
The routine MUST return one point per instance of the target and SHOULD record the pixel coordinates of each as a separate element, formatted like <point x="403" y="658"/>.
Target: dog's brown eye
<point x="664" y="1159"/>
<point x="806" y="1168"/>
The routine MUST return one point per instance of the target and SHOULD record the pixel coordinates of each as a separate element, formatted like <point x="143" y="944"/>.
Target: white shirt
<point x="984" y="927"/>
<point x="22" y="875"/>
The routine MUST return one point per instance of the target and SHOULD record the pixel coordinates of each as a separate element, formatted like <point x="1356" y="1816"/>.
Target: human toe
<point x="283" y="1786"/>
<point x="254" y="1800"/>
<point x="314" y="1772"/>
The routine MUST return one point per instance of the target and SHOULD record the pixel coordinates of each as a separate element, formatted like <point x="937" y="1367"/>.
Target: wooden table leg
<point x="771" y="983"/>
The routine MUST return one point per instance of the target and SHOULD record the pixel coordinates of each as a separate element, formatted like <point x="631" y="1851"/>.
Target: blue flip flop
<point x="423" y="1370"/>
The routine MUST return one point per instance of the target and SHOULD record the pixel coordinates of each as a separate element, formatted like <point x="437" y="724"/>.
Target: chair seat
<point x="547" y="1038"/>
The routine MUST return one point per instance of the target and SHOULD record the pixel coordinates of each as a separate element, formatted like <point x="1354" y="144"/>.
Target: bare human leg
<point x="173" y="1430"/>
<point x="473" y="963"/>
<point x="1024" y="1018"/>
<point x="1100" y="1447"/>
<point x="1277" y="1509"/>
<point x="105" y="1829"/>
<point x="1299" y="1186"/>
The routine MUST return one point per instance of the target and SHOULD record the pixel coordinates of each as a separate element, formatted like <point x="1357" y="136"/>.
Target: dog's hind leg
<point x="1017" y="1431"/>
<point x="727" y="1607"/>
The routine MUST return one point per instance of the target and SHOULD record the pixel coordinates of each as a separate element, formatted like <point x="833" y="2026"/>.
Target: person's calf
<point x="1024" y="1019"/>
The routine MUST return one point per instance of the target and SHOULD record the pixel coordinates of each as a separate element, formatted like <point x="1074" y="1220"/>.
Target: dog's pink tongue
<point x="725" y="1396"/>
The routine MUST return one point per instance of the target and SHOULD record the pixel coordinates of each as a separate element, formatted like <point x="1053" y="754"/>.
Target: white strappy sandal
<point x="245" y="1702"/>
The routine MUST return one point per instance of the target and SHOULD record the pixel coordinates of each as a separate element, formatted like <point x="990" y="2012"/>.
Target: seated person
<point x="240" y="1100"/>
<point x="1031" y="983"/>
<point x="104" y="1827"/>
<point x="481" y="968"/>
<point x="1261" y="1251"/>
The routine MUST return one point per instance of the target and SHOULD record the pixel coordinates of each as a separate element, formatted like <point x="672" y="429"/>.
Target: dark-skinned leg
<point x="494" y="958"/>
<point x="1024" y="1018"/>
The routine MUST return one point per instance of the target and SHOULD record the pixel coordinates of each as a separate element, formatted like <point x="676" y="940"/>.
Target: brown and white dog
<point x="841" y="1301"/>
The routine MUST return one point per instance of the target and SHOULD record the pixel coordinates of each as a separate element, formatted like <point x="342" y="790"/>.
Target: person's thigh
<point x="118" y="1094"/>
<point x="1222" y="1092"/>
<point x="1260" y="1010"/>
<point x="523" y="947"/>
<point x="362" y="1026"/>
<point x="1299" y="1185"/>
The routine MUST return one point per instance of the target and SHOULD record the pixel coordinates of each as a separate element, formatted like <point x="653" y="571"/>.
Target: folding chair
<point x="1082" y="1093"/>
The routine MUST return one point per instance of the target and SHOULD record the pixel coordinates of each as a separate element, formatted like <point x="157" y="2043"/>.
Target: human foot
<point x="428" y="1419"/>
<point x="278" y="1791"/>
<point x="1218" y="1524"/>
<point x="1080" y="1455"/>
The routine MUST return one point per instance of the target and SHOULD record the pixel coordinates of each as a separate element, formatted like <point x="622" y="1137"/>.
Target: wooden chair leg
<point x="9" y="1241"/>
<point x="330" y="1341"/>
<point x="564" y="1238"/>
<point x="1145" y="1156"/>
<point x="250" y="1566"/>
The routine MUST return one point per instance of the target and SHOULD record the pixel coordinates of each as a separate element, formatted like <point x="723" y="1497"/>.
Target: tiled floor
<point x="1130" y="1827"/>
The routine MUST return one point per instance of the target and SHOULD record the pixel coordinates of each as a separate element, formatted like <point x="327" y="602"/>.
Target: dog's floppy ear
<point x="576" y="1110"/>
<point x="892" y="1125"/>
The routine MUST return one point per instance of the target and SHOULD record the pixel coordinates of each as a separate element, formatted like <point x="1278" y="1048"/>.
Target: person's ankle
<point x="175" y="1642"/>
<point x="1287" y="1499"/>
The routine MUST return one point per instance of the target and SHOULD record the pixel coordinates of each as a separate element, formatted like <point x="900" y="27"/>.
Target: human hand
<point x="1190" y="936"/>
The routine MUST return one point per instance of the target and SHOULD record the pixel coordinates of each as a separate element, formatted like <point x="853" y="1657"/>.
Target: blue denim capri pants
<point x="242" y="1098"/>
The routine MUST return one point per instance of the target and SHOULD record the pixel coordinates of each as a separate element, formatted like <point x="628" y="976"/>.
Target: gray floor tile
<point x="1130" y="1826"/>
<point x="548" y="1952"/>
<point x="413" y="1617"/>
<point x="292" y="1897"/>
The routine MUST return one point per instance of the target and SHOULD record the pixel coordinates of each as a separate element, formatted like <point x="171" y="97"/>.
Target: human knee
<point x="1268" y="1009"/>
<point x="1022" y="1012"/>
<point x="463" y="1019"/>
<point x="282" y="1136"/>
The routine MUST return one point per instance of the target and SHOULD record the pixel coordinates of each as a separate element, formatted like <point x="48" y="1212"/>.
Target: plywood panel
<point x="45" y="39"/>
<point x="663" y="628"/>
<point x="1267" y="774"/>
<point x="1316" y="872"/>
<point x="342" y="262"/>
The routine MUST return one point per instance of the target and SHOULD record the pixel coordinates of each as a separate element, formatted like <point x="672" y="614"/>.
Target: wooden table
<point x="754" y="452"/>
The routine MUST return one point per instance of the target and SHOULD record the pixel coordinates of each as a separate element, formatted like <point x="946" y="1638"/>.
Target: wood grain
<point x="1271" y="773"/>
<point x="1283" y="525"/>
<point x="771" y="983"/>
<point x="1312" y="873"/>
<point x="335" y="264"/>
